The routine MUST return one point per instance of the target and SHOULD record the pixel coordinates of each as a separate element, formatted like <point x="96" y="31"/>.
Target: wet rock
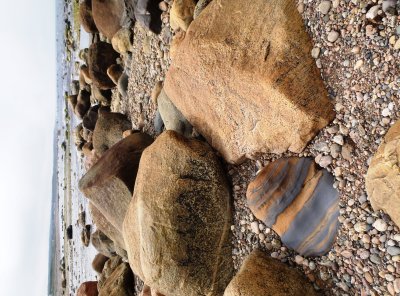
<point x="86" y="16"/>
<point x="69" y="232"/>
<point x="82" y="218"/>
<point x="122" y="41"/>
<point x="108" y="130"/>
<point x="201" y="4"/>
<point x="298" y="201"/>
<point x="100" y="57"/>
<point x="90" y="118"/>
<point x="389" y="6"/>
<point x="87" y="289"/>
<point x="148" y="14"/>
<point x="114" y="72"/>
<point x="98" y="262"/>
<point x="262" y="275"/>
<point x="108" y="16"/>
<point x="156" y="91"/>
<point x="181" y="14"/>
<point x="82" y="104"/>
<point x="172" y="117"/>
<point x="176" y="229"/>
<point x="383" y="176"/>
<point x="109" y="183"/>
<point x="271" y="88"/>
<point x="85" y="235"/>
<point x="119" y="283"/>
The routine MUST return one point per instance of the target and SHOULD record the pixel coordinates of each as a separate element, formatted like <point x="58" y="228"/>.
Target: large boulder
<point x="148" y="14"/>
<point x="108" y="16"/>
<point x="122" y="41"/>
<point x="181" y="14"/>
<point x="101" y="56"/>
<point x="119" y="283"/>
<point x="177" y="227"/>
<point x="90" y="118"/>
<point x="86" y="16"/>
<point x="102" y="96"/>
<point x="297" y="199"/>
<point x="108" y="269"/>
<point x="109" y="183"/>
<point x="87" y="289"/>
<point x="383" y="177"/>
<point x="108" y="130"/>
<point x="244" y="78"/>
<point x="261" y="275"/>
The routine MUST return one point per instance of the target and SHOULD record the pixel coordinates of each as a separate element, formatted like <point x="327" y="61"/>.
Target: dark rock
<point x="90" y="118"/>
<point x="75" y="87"/>
<point x="83" y="103"/>
<point x="98" y="262"/>
<point x="102" y="96"/>
<point x="85" y="235"/>
<point x="148" y="14"/>
<point x="87" y="289"/>
<point x="263" y="275"/>
<point x="108" y="16"/>
<point x="109" y="183"/>
<point x="180" y="213"/>
<point x="69" y="232"/>
<point x="120" y="283"/>
<point x="298" y="201"/>
<point x="86" y="17"/>
<point x="114" y="72"/>
<point x="101" y="56"/>
<point x="108" y="130"/>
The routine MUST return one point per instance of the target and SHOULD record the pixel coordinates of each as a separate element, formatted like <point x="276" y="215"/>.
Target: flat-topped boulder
<point x="108" y="16"/>
<point x="261" y="275"/>
<point x="177" y="227"/>
<point x="296" y="198"/>
<point x="244" y="78"/>
<point x="383" y="177"/>
<point x="109" y="183"/>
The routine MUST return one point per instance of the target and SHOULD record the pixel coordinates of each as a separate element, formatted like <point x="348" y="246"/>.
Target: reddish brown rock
<point x="98" y="262"/>
<point x="87" y="289"/>
<point x="86" y="16"/>
<point x="108" y="16"/>
<point x="101" y="56"/>
<point x="177" y="227"/>
<point x="109" y="183"/>
<point x="249" y="90"/>
<point x="263" y="275"/>
<point x="181" y="14"/>
<point x="110" y="266"/>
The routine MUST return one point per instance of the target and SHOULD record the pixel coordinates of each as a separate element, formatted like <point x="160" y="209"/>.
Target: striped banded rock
<point x="297" y="200"/>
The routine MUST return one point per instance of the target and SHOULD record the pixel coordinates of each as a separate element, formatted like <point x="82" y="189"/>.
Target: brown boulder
<point x="114" y="72"/>
<point x="176" y="229"/>
<point x="108" y="16"/>
<point x="181" y="14"/>
<point x="102" y="96"/>
<point x="108" y="130"/>
<point x="119" y="283"/>
<point x="90" y="118"/>
<point x="87" y="289"/>
<point x="262" y="275"/>
<point x="108" y="269"/>
<point x="101" y="56"/>
<point x="109" y="183"/>
<point x="383" y="177"/>
<point x="86" y="17"/>
<point x="82" y="104"/>
<point x="98" y="262"/>
<point x="244" y="78"/>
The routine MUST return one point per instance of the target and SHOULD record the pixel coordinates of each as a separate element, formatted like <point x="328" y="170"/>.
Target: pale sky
<point x="28" y="104"/>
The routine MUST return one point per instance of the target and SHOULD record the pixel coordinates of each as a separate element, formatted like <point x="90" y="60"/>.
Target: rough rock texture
<point x="119" y="283"/>
<point x="98" y="262"/>
<point x="122" y="40"/>
<point x="82" y="104"/>
<point x="101" y="56"/>
<point x="109" y="183"/>
<point x="90" y="118"/>
<point x="261" y="275"/>
<point x="298" y="201"/>
<point x="85" y="235"/>
<point x="383" y="176"/>
<point x="244" y="78"/>
<point x="108" y="237"/>
<point x="148" y="14"/>
<point x="108" y="130"/>
<point x="102" y="96"/>
<point x="108" y="16"/>
<point x="176" y="229"/>
<point x="182" y="14"/>
<point x="110" y="266"/>
<point x="86" y="16"/>
<point x="72" y="101"/>
<point x="172" y="117"/>
<point x="87" y="289"/>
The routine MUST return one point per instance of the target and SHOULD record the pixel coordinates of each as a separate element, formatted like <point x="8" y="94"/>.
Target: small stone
<point x="364" y="254"/>
<point x="254" y="227"/>
<point x="380" y="225"/>
<point x="312" y="265"/>
<point x="335" y="150"/>
<point x="368" y="277"/>
<point x="315" y="52"/>
<point x="325" y="161"/>
<point x="389" y="6"/>
<point x="333" y="36"/>
<point x="298" y="259"/>
<point x="163" y="6"/>
<point x="360" y="227"/>
<point x="393" y="251"/>
<point x="324" y="7"/>
<point x="321" y="146"/>
<point x="397" y="237"/>
<point x="338" y="139"/>
<point x="372" y="12"/>
<point x="375" y="259"/>
<point x="389" y="277"/>
<point x="385" y="112"/>
<point x="396" y="285"/>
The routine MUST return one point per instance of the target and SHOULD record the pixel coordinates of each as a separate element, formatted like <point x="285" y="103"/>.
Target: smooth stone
<point x="181" y="14"/>
<point x="87" y="289"/>
<point x="324" y="7"/>
<point x="119" y="283"/>
<point x="298" y="201"/>
<point x="98" y="262"/>
<point x="393" y="251"/>
<point x="333" y="36"/>
<point x="86" y="17"/>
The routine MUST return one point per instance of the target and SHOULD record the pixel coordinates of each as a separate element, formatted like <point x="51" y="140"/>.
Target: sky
<point x="27" y="118"/>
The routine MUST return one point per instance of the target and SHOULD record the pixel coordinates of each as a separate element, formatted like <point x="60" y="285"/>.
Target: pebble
<point x="372" y="12"/>
<point x="333" y="36"/>
<point x="254" y="227"/>
<point x="338" y="139"/>
<point x="397" y="237"/>
<point x="393" y="251"/>
<point x="315" y="52"/>
<point x="368" y="277"/>
<point x="361" y="227"/>
<point x="325" y="161"/>
<point x="324" y="7"/>
<point x="380" y="225"/>
<point x="397" y="44"/>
